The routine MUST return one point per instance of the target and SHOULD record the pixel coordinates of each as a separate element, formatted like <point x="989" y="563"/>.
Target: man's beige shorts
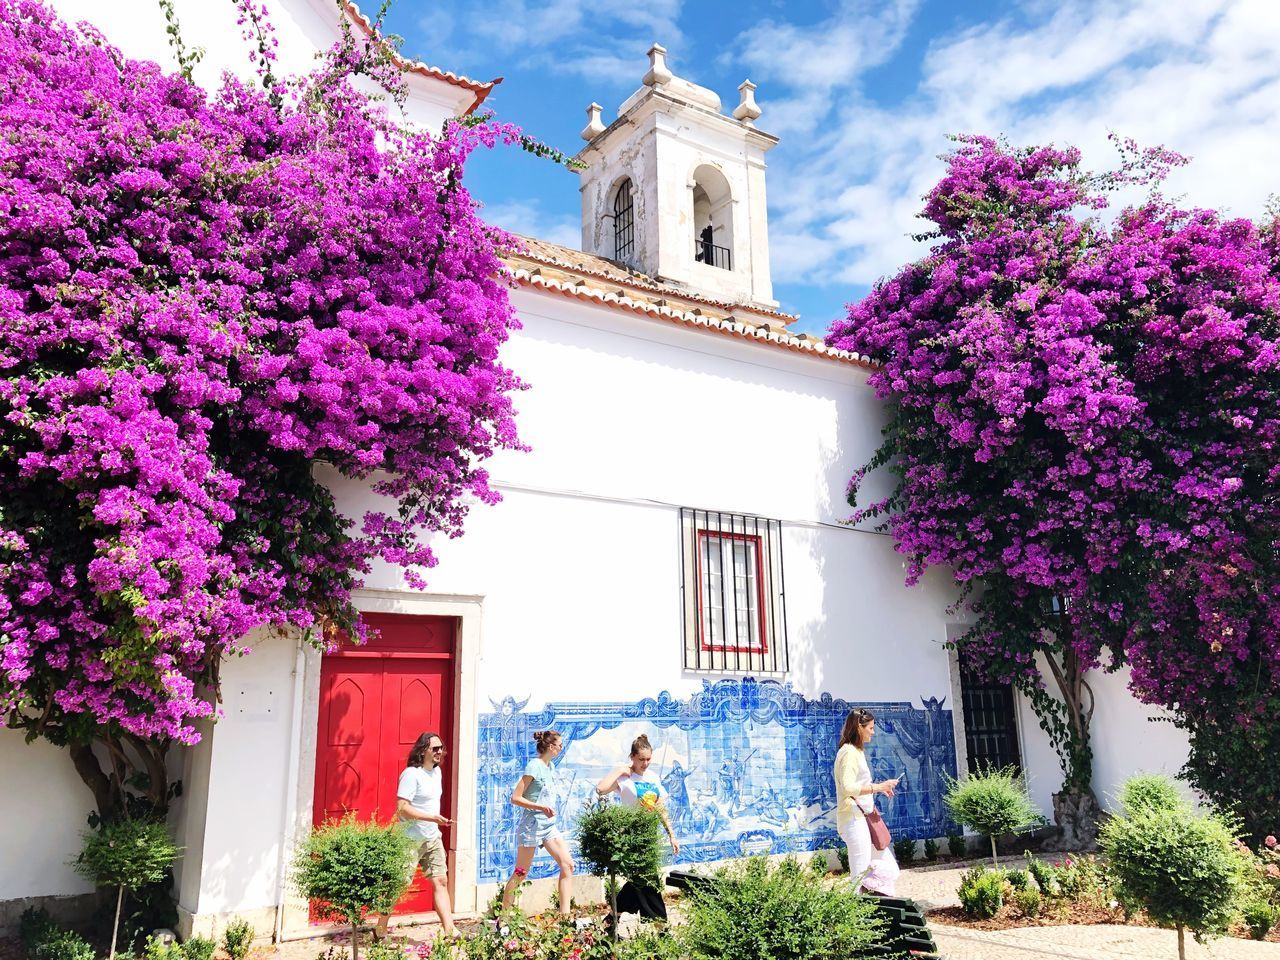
<point x="431" y="857"/>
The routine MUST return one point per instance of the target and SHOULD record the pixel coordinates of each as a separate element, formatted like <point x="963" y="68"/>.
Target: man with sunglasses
<point x="418" y="808"/>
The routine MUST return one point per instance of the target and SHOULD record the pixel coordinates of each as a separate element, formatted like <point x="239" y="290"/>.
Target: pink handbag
<point x="878" y="829"/>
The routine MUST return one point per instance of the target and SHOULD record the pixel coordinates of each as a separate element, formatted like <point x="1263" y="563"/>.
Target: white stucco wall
<point x="629" y="420"/>
<point x="1128" y="737"/>
<point x="43" y="811"/>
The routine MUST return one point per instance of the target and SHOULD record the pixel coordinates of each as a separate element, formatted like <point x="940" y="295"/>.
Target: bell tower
<point x="675" y="189"/>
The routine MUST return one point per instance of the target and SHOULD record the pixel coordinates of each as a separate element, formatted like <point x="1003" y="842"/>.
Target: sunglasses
<point x="439" y="749"/>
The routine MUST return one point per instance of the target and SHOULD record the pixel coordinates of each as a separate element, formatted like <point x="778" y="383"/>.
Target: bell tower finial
<point x="658" y="73"/>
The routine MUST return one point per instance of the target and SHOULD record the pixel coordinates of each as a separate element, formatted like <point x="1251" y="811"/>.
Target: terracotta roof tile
<point x="582" y="276"/>
<point x="589" y="264"/>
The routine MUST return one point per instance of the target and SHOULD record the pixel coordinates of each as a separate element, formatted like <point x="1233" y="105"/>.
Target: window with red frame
<point x="732" y="590"/>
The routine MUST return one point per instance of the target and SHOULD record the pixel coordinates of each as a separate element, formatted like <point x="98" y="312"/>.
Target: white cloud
<point x="529" y="219"/>
<point x="1199" y="76"/>
<point x="861" y="34"/>
<point x="600" y="42"/>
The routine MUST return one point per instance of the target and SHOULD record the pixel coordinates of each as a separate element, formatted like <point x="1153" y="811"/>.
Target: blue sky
<point x="863" y="94"/>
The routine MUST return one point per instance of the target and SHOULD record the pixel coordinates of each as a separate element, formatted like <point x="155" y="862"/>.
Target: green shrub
<point x="754" y="911"/>
<point x="1260" y="917"/>
<point x="198" y="948"/>
<point x="1078" y="876"/>
<point x="384" y="950"/>
<point x="1018" y="879"/>
<point x="63" y="945"/>
<point x="617" y="841"/>
<point x="842" y="854"/>
<point x="931" y="849"/>
<point x="156" y="949"/>
<point x="34" y="928"/>
<point x="981" y="892"/>
<point x="1028" y="902"/>
<point x="237" y="939"/>
<point x="1149" y="791"/>
<point x="992" y="803"/>
<point x="819" y="864"/>
<point x="956" y="845"/>
<point x="352" y="869"/>
<point x="904" y="850"/>
<point x="127" y="855"/>
<point x="1181" y="868"/>
<point x="1045" y="876"/>
<point x="653" y="941"/>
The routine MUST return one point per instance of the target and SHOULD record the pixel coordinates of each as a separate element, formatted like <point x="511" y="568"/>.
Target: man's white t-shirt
<point x="633" y="790"/>
<point x="422" y="789"/>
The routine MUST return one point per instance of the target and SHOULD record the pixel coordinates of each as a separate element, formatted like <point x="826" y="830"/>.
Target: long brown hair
<point x="418" y="752"/>
<point x="854" y="725"/>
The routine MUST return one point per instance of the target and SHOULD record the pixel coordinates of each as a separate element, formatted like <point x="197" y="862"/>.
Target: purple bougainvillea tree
<point x="1084" y="420"/>
<point x="202" y="297"/>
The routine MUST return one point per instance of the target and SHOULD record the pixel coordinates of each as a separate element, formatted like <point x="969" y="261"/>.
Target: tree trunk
<point x="613" y="905"/>
<point x="993" y="850"/>
<point x="115" y="925"/>
<point x="1182" y="943"/>
<point x="355" y="940"/>
<point x="90" y="771"/>
<point x="1077" y="814"/>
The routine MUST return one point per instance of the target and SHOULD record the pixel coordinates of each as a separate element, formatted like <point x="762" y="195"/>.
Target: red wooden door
<point x="374" y="702"/>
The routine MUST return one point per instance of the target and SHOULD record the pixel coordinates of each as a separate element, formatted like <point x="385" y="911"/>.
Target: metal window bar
<point x="714" y="255"/>
<point x="624" y="233"/>
<point x="732" y="593"/>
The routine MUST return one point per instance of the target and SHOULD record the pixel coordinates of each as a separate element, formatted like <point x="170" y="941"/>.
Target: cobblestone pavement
<point x="1089" y="943"/>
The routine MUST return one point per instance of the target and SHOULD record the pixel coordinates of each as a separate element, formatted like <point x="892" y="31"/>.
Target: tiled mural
<point x="747" y="764"/>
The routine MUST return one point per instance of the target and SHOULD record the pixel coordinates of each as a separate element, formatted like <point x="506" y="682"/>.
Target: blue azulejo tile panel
<point x="747" y="765"/>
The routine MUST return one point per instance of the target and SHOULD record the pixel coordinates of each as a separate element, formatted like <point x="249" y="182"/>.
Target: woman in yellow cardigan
<point x="873" y="870"/>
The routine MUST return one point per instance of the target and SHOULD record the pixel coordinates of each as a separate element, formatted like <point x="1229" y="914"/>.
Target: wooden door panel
<point x="349" y="738"/>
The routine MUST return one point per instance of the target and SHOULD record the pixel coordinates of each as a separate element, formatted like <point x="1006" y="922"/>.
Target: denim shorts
<point x="534" y="830"/>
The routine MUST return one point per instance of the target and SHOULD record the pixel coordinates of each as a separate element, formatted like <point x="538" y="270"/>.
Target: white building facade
<point x="669" y="559"/>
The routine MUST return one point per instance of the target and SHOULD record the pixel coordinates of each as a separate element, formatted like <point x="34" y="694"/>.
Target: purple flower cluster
<point x="202" y="297"/>
<point x="1085" y="420"/>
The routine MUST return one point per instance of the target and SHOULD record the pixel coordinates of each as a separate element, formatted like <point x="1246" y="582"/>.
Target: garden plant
<point x="350" y="869"/>
<point x="619" y="841"/>
<point x="237" y="938"/>
<point x="1180" y="866"/>
<point x="756" y="911"/>
<point x="992" y="803"/>
<point x="981" y="892"/>
<point x="127" y="855"/>
<point x="1083" y="422"/>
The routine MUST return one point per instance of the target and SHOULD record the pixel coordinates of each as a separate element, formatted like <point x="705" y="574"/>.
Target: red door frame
<point x="359" y="751"/>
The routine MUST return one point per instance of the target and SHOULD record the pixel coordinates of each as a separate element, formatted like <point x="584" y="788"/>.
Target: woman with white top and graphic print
<point x="418" y="796"/>
<point x="872" y="870"/>
<point x="634" y="788"/>
<point x="535" y="794"/>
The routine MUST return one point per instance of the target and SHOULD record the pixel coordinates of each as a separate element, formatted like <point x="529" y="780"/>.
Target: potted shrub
<point x="126" y="854"/>
<point x="992" y="803"/>
<point x="353" y="869"/>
